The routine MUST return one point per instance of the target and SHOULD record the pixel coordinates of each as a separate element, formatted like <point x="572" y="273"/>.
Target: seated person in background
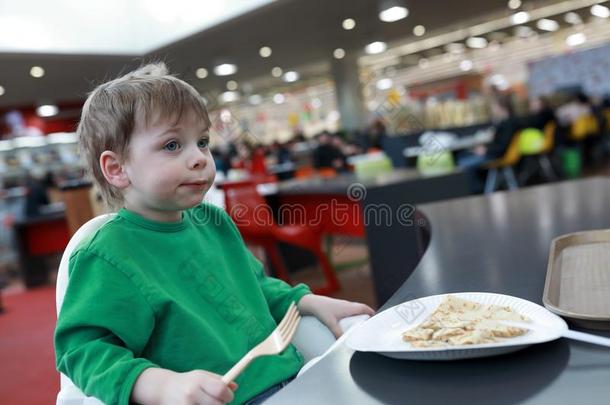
<point x="165" y="297"/>
<point x="326" y="154"/>
<point x="506" y="124"/>
<point x="577" y="106"/>
<point x="541" y="114"/>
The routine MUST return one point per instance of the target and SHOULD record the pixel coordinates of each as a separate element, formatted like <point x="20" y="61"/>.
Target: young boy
<point x="165" y="297"/>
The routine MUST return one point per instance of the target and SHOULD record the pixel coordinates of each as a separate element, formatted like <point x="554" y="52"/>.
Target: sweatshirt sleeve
<point x="102" y="329"/>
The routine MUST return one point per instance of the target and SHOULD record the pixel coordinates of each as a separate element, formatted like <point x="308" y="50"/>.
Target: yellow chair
<point x="506" y="163"/>
<point x="583" y="127"/>
<point x="540" y="148"/>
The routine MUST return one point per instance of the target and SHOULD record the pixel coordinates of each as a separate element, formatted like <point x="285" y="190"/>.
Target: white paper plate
<point x="383" y="332"/>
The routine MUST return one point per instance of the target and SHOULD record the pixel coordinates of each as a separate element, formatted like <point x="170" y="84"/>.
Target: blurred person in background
<point x="326" y="154"/>
<point x="506" y="125"/>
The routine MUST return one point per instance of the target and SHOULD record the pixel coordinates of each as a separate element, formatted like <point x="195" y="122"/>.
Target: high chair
<point x="312" y="339"/>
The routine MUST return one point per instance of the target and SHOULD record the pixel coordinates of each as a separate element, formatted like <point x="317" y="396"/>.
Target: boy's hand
<point x="164" y="387"/>
<point x="330" y="310"/>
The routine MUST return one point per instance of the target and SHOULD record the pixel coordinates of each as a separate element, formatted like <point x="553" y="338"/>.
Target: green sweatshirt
<point x="180" y="296"/>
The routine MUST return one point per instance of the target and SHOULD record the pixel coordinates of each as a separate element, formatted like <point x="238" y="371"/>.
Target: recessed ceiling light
<point x="201" y="73"/>
<point x="423" y="63"/>
<point x="276" y="71"/>
<point x="232" y="85"/>
<point x="229" y="96"/>
<point x="476" y="42"/>
<point x="576" y="39"/>
<point x="279" y="98"/>
<point x="1" y="90"/>
<point x="514" y="4"/>
<point x="572" y="18"/>
<point x="546" y="24"/>
<point x="265" y="52"/>
<point x="392" y="11"/>
<point x="339" y="53"/>
<point x="384" y="84"/>
<point x="520" y="18"/>
<point x="291" y="76"/>
<point x="348" y="24"/>
<point x="466" y="65"/>
<point x="375" y="47"/>
<point x="36" y="71"/>
<point x="225" y="69"/>
<point x="600" y="11"/>
<point x="419" y="30"/>
<point x="47" y="110"/>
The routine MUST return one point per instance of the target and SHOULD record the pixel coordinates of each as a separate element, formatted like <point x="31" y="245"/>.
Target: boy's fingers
<point x="218" y="390"/>
<point x="233" y="385"/>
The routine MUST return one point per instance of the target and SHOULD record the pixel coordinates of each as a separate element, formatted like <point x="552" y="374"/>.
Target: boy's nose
<point x="197" y="160"/>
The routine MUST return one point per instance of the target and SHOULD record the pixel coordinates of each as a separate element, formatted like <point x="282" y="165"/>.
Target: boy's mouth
<point x="197" y="183"/>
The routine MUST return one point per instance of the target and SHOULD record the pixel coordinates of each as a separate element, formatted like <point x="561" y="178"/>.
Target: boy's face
<point x="170" y="167"/>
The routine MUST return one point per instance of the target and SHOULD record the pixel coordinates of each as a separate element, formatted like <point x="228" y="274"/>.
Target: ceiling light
<point x="1" y="90"/>
<point x="419" y="30"/>
<point x="423" y="63"/>
<point x="225" y="69"/>
<point x="276" y="71"/>
<point x="232" y="85"/>
<point x="348" y="24"/>
<point x="291" y="76"/>
<point x="392" y="10"/>
<point x="201" y="73"/>
<point x="455" y="47"/>
<point x="520" y="18"/>
<point x="375" y="47"/>
<point x="36" y="71"/>
<point x="476" y="42"/>
<point x="547" y="25"/>
<point x="600" y="11"/>
<point x="466" y="65"/>
<point x="279" y="98"/>
<point x="576" y="39"/>
<point x="265" y="52"/>
<point x="514" y="4"/>
<point x="572" y="18"/>
<point x="384" y="84"/>
<point x="229" y="96"/>
<point x="255" y="99"/>
<point x="47" y="110"/>
<point x="339" y="53"/>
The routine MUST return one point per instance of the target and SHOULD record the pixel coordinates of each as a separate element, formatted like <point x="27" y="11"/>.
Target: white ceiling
<point x="133" y="27"/>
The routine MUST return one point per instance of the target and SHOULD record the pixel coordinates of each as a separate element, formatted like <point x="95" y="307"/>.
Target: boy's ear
<point x="112" y="168"/>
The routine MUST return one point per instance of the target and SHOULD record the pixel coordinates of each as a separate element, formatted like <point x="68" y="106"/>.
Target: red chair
<point x="255" y="222"/>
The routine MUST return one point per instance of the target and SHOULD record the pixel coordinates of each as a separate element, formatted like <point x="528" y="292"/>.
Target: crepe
<point x="459" y="322"/>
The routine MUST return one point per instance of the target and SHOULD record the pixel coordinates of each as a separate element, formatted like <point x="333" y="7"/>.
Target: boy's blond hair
<point x="112" y="110"/>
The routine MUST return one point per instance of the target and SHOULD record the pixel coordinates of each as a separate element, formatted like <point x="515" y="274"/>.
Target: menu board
<point x="586" y="69"/>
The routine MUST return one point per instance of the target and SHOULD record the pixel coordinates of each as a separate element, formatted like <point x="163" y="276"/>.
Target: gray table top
<point x="340" y="184"/>
<point x="496" y="243"/>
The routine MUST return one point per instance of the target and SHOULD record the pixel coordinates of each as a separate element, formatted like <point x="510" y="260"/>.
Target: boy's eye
<point x="203" y="143"/>
<point x="171" y="146"/>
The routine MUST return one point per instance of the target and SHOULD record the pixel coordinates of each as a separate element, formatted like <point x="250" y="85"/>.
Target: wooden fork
<point x="275" y="343"/>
